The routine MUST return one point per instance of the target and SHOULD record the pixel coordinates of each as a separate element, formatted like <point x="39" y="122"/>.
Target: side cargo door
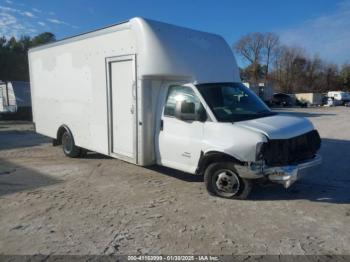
<point x="122" y="111"/>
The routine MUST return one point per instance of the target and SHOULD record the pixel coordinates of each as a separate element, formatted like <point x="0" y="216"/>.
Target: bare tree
<point x="289" y="66"/>
<point x="250" y="48"/>
<point x="312" y="72"/>
<point x="345" y="77"/>
<point x="271" y="44"/>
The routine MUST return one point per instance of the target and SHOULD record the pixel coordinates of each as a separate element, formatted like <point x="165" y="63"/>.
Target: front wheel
<point x="68" y="145"/>
<point x="222" y="179"/>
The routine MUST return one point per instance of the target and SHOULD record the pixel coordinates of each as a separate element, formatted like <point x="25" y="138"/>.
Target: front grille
<point x="279" y="152"/>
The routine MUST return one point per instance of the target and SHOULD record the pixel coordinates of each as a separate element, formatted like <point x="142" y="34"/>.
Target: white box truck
<point x="153" y="93"/>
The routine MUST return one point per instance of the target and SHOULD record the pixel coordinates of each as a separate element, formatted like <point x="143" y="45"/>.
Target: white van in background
<point x="339" y="97"/>
<point x="153" y="93"/>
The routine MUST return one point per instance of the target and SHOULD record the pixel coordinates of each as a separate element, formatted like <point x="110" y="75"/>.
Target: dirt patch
<point x="50" y="204"/>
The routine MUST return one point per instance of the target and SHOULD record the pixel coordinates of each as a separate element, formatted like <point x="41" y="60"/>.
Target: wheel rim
<point x="67" y="143"/>
<point x="226" y="182"/>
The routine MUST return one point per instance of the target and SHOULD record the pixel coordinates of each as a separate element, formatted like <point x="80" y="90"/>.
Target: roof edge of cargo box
<point x="168" y="50"/>
<point x="100" y="31"/>
<point x="78" y="37"/>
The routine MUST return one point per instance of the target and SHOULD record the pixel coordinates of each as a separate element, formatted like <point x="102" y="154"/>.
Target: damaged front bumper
<point x="285" y="175"/>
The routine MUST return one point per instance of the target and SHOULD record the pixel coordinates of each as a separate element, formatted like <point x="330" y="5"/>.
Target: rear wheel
<point x="221" y="179"/>
<point x="68" y="145"/>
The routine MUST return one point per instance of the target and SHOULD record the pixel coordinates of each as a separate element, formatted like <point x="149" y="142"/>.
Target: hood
<point x="278" y="126"/>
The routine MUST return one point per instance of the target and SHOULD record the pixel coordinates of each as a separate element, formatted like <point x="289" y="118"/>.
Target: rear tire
<point x="221" y="179"/>
<point x="68" y="145"/>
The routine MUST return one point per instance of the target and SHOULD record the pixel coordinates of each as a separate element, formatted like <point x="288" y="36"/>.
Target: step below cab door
<point x="179" y="141"/>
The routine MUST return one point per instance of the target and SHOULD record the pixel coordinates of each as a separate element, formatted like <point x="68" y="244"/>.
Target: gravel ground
<point x="50" y="204"/>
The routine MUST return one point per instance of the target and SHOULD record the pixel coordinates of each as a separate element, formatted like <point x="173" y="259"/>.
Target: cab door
<point x="179" y="141"/>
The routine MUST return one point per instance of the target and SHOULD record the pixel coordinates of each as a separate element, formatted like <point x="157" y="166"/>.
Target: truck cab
<point x="226" y="133"/>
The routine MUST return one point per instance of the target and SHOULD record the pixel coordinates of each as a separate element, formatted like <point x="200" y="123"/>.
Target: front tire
<point x="68" y="145"/>
<point x="222" y="179"/>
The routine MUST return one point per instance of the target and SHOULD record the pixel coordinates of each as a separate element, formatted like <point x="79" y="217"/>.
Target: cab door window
<point x="181" y="93"/>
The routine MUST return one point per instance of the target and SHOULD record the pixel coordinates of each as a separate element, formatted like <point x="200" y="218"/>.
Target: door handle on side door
<point x="161" y="125"/>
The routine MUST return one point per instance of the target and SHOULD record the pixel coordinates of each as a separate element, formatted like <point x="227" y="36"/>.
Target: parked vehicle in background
<point x="339" y="97"/>
<point x="282" y="99"/>
<point x="15" y="100"/>
<point x="153" y="93"/>
<point x="265" y="92"/>
<point x="7" y="98"/>
<point x="309" y="99"/>
<point x="325" y="99"/>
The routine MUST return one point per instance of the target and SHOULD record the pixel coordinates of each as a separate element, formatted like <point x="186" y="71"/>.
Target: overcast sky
<point x="320" y="27"/>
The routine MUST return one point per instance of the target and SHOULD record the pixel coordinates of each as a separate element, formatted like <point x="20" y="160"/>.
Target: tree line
<point x="288" y="68"/>
<point x="14" y="55"/>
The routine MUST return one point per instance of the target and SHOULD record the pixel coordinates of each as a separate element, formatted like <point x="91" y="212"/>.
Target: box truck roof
<point x="166" y="50"/>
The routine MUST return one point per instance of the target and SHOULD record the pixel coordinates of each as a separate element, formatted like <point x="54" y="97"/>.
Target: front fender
<point x="232" y="140"/>
<point x="209" y="157"/>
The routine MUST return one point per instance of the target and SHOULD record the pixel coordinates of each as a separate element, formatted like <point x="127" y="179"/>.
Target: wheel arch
<point x="214" y="156"/>
<point x="58" y="140"/>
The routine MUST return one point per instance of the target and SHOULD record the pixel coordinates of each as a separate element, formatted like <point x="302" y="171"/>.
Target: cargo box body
<point x="104" y="85"/>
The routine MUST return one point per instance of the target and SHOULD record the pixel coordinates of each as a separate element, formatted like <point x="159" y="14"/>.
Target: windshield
<point x="232" y="102"/>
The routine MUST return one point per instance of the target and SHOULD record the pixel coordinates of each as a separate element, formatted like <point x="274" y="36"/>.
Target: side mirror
<point x="187" y="111"/>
